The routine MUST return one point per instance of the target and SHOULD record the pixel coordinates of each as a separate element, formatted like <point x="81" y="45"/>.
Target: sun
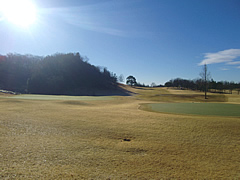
<point x="18" y="12"/>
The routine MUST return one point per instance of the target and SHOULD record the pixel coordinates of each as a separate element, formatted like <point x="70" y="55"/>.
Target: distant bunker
<point x="212" y="109"/>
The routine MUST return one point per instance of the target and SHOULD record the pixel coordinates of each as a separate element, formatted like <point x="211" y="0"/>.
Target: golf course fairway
<point x="111" y="137"/>
<point x="61" y="97"/>
<point x="213" y="109"/>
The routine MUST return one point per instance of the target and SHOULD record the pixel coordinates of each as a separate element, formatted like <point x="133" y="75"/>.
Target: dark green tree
<point x="131" y="80"/>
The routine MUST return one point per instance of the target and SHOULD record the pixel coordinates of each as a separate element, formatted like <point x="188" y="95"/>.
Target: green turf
<point x="215" y="109"/>
<point x="59" y="97"/>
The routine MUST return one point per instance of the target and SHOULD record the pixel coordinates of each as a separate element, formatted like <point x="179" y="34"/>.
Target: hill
<point x="59" y="74"/>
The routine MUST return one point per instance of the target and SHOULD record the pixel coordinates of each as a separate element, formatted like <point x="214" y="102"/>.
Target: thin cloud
<point x="227" y="56"/>
<point x="92" y="19"/>
<point x="234" y="63"/>
<point x="224" y="69"/>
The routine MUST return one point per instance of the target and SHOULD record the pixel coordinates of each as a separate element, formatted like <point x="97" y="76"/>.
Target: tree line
<point x="68" y="74"/>
<point x="199" y="84"/>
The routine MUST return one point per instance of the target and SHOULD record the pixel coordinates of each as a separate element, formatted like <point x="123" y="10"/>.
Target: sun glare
<point x="18" y="12"/>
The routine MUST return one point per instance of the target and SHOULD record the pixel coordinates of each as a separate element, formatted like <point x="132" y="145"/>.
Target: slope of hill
<point x="65" y="74"/>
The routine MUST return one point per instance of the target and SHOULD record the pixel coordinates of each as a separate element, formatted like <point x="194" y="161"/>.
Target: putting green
<point x="58" y="97"/>
<point x="214" y="109"/>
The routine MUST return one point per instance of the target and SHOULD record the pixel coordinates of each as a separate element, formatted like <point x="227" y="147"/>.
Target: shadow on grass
<point x="118" y="91"/>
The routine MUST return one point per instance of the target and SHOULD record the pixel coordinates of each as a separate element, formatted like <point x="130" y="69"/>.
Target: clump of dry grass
<point x="66" y="139"/>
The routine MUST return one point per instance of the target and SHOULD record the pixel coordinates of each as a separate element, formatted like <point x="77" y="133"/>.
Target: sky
<point x="153" y="40"/>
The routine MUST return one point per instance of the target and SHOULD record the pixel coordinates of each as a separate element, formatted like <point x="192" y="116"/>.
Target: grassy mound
<point x="173" y="95"/>
<point x="215" y="109"/>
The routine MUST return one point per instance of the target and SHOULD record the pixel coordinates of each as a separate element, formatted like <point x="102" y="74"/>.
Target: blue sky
<point x="153" y="40"/>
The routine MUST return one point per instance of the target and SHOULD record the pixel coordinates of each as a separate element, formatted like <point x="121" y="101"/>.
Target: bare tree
<point x="121" y="78"/>
<point x="205" y="75"/>
<point x="153" y="84"/>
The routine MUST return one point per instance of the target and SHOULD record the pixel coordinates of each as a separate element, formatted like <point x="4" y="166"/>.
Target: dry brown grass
<point x="113" y="139"/>
<point x="175" y="95"/>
